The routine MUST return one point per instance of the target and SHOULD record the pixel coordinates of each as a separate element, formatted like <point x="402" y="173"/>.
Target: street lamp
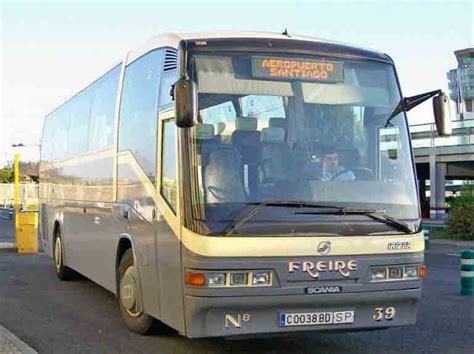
<point x="22" y="145"/>
<point x="26" y="145"/>
<point x="16" y="172"/>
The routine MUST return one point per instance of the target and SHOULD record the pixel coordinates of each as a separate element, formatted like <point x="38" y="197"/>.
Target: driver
<point x="332" y="171"/>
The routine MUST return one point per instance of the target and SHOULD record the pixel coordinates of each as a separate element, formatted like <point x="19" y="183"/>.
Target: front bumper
<point x="230" y="316"/>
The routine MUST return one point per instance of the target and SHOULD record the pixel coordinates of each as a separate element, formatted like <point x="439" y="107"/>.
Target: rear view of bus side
<point x="288" y="204"/>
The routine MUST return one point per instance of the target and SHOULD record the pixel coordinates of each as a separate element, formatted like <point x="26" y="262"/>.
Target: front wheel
<point x="62" y="272"/>
<point x="129" y="295"/>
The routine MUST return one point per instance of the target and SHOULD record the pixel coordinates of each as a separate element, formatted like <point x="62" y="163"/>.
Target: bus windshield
<point x="277" y="127"/>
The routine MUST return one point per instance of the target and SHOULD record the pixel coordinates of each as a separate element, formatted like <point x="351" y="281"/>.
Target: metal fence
<point x="425" y="135"/>
<point x="28" y="196"/>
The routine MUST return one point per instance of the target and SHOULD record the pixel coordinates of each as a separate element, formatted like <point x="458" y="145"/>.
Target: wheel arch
<point x="125" y="242"/>
<point x="56" y="227"/>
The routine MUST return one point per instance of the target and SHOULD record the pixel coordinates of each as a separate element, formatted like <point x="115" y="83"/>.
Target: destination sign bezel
<point x="288" y="69"/>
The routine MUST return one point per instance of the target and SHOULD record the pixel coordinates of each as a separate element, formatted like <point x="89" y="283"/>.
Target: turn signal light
<point x="196" y="279"/>
<point x="422" y="271"/>
<point x="224" y="279"/>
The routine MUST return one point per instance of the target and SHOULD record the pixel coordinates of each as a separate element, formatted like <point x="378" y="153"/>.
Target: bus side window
<point x="102" y="111"/>
<point x="138" y="110"/>
<point x="168" y="164"/>
<point x="167" y="81"/>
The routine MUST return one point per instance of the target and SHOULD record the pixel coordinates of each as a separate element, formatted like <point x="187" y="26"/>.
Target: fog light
<point x="378" y="273"/>
<point x="261" y="279"/>
<point x="395" y="272"/>
<point x="410" y="272"/>
<point x="237" y="279"/>
<point x="216" y="279"/>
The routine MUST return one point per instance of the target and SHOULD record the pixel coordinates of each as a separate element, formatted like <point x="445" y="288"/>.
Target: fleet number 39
<point x="384" y="312"/>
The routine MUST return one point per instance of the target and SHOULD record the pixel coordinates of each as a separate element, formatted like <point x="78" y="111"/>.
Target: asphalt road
<point x="7" y="230"/>
<point x="80" y="317"/>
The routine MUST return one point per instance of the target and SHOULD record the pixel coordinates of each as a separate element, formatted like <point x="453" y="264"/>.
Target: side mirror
<point x="185" y="93"/>
<point x="442" y="114"/>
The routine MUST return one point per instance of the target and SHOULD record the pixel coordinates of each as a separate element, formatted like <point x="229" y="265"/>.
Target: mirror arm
<point x="183" y="59"/>
<point x="413" y="101"/>
<point x="185" y="93"/>
<point x="408" y="103"/>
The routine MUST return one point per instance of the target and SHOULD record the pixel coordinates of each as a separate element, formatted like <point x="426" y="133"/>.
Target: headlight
<point x="378" y="273"/>
<point x="261" y="278"/>
<point x="216" y="279"/>
<point x="394" y="272"/>
<point x="410" y="272"/>
<point x="229" y="278"/>
<point x="238" y="279"/>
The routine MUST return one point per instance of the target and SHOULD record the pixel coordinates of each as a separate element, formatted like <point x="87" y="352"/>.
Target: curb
<point x="7" y="247"/>
<point x="466" y="244"/>
<point x="10" y="343"/>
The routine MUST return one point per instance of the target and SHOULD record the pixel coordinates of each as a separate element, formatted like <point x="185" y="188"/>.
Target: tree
<point x="6" y="175"/>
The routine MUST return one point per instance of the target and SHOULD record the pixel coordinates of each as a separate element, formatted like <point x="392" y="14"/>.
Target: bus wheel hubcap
<point x="57" y="253"/>
<point x="128" y="292"/>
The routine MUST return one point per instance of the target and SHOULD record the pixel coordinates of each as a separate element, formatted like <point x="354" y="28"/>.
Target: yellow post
<point x="16" y="194"/>
<point x="26" y="223"/>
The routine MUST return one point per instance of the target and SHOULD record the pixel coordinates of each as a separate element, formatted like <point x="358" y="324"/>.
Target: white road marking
<point x="453" y="254"/>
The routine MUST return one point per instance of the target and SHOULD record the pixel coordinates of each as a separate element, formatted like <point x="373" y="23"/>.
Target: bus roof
<point x="173" y="40"/>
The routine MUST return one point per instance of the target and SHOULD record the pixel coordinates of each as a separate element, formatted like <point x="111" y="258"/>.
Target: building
<point x="461" y="83"/>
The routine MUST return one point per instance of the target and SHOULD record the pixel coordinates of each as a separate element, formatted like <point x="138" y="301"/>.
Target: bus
<point x="229" y="184"/>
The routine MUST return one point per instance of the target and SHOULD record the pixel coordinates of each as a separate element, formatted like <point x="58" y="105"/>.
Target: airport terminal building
<point x="461" y="83"/>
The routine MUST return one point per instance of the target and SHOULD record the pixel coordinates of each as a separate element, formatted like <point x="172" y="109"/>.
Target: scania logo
<point x="314" y="290"/>
<point x="324" y="247"/>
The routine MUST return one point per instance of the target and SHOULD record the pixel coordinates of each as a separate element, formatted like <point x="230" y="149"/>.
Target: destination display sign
<point x="297" y="69"/>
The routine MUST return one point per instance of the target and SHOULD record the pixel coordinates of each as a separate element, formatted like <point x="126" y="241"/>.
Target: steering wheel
<point x="334" y="178"/>
<point x="215" y="192"/>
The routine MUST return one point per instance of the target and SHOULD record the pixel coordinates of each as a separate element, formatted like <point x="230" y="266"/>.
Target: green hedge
<point x="461" y="217"/>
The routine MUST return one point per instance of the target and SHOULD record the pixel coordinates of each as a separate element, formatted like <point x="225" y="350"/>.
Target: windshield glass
<point x="306" y="128"/>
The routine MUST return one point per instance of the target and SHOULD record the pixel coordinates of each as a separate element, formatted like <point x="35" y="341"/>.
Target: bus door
<point x="167" y="231"/>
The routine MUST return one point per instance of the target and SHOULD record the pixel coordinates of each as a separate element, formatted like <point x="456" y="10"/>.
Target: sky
<point x="51" y="50"/>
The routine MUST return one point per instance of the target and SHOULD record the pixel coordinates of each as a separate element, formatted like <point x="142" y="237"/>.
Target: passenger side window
<point x="47" y="140"/>
<point x="168" y="167"/>
<point x="138" y="110"/>
<point x="61" y="120"/>
<point x="222" y="116"/>
<point x="263" y="108"/>
<point x="101" y="126"/>
<point x="79" y="109"/>
<point x="167" y="81"/>
<point x="224" y="112"/>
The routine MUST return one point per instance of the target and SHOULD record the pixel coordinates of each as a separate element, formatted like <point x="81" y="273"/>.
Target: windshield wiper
<point x="244" y="218"/>
<point x="375" y="214"/>
<point x="276" y="203"/>
<point x="294" y="204"/>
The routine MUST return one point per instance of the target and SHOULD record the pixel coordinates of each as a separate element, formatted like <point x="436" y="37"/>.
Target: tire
<point x="129" y="296"/>
<point x="63" y="272"/>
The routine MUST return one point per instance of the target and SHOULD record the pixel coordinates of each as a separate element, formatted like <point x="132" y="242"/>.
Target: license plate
<point x="316" y="318"/>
